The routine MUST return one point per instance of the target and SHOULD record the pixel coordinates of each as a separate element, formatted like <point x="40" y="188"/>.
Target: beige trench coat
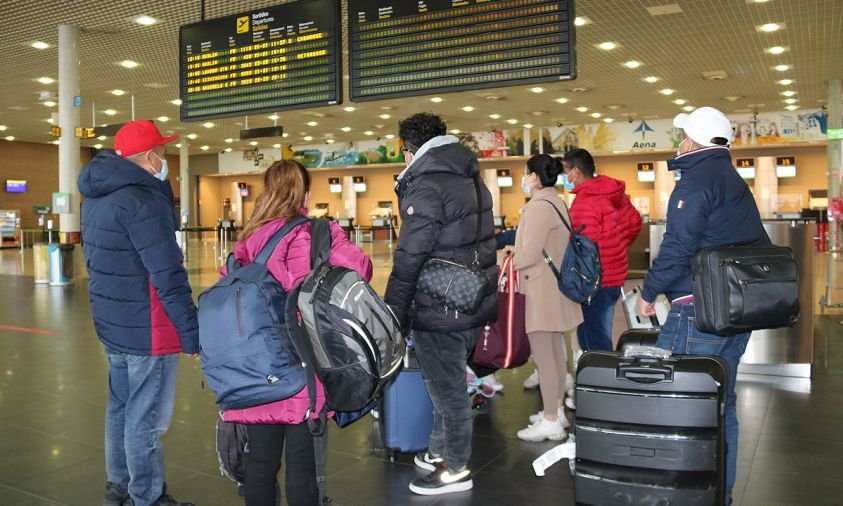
<point x="539" y="228"/>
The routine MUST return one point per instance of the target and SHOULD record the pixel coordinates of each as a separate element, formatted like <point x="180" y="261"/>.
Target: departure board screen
<point x="272" y="59"/>
<point x="418" y="47"/>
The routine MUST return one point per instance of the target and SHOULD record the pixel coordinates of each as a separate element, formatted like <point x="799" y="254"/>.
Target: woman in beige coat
<point x="548" y="312"/>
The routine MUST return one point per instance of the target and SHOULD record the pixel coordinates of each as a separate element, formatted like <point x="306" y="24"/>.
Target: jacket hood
<point x="452" y="158"/>
<point x="604" y="186"/>
<point x="108" y="172"/>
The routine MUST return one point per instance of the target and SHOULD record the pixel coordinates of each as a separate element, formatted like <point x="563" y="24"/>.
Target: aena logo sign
<point x="643" y="128"/>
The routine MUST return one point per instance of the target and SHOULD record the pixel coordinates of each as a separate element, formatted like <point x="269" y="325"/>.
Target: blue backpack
<point x="581" y="273"/>
<point x="245" y="348"/>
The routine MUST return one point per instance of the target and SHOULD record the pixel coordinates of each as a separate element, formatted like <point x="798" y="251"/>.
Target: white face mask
<point x="162" y="176"/>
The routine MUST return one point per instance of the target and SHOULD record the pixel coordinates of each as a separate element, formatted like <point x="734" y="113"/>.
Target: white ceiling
<point x="706" y="36"/>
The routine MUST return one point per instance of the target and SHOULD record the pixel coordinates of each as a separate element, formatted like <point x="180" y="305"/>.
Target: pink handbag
<point x="504" y="344"/>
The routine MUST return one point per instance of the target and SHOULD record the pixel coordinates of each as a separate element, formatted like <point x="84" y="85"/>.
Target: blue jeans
<point x="595" y="332"/>
<point x="142" y="391"/>
<point x="680" y="335"/>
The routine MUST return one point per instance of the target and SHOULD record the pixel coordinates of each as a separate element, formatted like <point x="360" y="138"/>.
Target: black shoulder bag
<point x="455" y="285"/>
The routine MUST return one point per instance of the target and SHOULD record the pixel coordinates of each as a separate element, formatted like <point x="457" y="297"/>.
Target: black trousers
<point x="266" y="445"/>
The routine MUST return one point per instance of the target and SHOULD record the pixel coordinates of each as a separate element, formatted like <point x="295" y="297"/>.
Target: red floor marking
<point x="27" y="329"/>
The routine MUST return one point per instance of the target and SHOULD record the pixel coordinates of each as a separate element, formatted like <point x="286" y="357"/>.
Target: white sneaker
<point x="569" y="382"/>
<point x="532" y="381"/>
<point x="492" y="381"/>
<point x="543" y="429"/>
<point x="540" y="416"/>
<point x="569" y="402"/>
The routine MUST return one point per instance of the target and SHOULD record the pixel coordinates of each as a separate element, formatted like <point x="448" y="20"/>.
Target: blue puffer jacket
<point x="140" y="298"/>
<point x="710" y="206"/>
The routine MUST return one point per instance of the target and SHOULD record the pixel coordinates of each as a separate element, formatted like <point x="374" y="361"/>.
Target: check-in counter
<point x="787" y="351"/>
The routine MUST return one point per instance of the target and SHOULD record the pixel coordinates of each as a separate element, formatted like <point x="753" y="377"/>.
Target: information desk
<point x="265" y="60"/>
<point x="402" y="47"/>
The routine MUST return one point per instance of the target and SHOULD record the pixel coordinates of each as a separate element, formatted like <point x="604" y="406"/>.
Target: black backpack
<point x="581" y="274"/>
<point x="342" y="331"/>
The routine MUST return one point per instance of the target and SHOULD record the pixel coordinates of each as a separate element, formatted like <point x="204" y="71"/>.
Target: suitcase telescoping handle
<point x="645" y="374"/>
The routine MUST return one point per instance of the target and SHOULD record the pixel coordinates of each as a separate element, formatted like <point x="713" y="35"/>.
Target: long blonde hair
<point x="286" y="184"/>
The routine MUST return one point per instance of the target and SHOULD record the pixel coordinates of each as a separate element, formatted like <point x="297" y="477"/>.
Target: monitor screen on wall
<point x="16" y="186"/>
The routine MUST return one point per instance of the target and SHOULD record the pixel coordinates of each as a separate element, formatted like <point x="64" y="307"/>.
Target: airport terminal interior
<point x="523" y="77"/>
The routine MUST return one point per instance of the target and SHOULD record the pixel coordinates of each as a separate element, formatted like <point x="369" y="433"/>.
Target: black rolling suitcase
<point x="650" y="430"/>
<point x="637" y="337"/>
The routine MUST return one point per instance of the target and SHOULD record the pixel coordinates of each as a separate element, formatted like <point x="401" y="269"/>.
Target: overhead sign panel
<point x="272" y="59"/>
<point x="401" y="48"/>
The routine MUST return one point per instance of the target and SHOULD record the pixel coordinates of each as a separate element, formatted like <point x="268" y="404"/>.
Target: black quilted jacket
<point x="438" y="206"/>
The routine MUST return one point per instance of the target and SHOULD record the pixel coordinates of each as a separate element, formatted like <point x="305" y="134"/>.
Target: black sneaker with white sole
<point x="442" y="481"/>
<point x="427" y="461"/>
<point x="115" y="495"/>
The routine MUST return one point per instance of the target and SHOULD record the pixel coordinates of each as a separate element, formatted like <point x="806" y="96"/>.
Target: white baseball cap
<point x="704" y="124"/>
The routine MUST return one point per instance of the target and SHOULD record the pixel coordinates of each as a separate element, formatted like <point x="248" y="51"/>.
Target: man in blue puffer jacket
<point x="710" y="206"/>
<point x="141" y="303"/>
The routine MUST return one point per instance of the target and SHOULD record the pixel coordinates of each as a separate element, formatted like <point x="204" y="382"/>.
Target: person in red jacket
<point x="612" y="223"/>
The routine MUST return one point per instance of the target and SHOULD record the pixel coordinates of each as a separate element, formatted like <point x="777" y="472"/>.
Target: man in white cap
<point x="710" y="206"/>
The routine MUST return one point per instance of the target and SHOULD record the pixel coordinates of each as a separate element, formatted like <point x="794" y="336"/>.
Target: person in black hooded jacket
<point x="439" y="213"/>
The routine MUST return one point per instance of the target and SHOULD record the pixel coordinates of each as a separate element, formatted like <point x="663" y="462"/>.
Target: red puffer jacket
<point x="610" y="221"/>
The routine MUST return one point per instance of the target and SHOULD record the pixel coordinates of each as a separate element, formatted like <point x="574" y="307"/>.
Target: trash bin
<point x="41" y="257"/>
<point x="61" y="264"/>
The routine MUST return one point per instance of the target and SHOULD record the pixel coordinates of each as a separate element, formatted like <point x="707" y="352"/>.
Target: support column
<point x="186" y="198"/>
<point x="69" y="163"/>
<point x="834" y="149"/>
<point x="766" y="189"/>
<point x="665" y="181"/>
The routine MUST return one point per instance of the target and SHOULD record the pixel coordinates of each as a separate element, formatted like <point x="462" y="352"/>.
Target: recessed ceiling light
<point x="384" y="116"/>
<point x="679" y="101"/>
<point x="791" y="107"/>
<point x="208" y="125"/>
<point x="608" y="120"/>
<point x="50" y="103"/>
<point x="229" y="140"/>
<point x="118" y="93"/>
<point x="528" y="125"/>
<point x="436" y="100"/>
<point x="757" y="1"/>
<point x="346" y="129"/>
<point x="369" y="132"/>
<point x="512" y="121"/>
<point x="782" y="68"/>
<point x="273" y="117"/>
<point x="48" y="120"/>
<point x="101" y="138"/>
<point x="176" y="101"/>
<point x="178" y="145"/>
<point x="607" y="46"/>
<point x="776" y="50"/>
<point x="46" y="80"/>
<point x="329" y="141"/>
<point x="537" y="89"/>
<point x="163" y="119"/>
<point x="97" y="146"/>
<point x="769" y="27"/>
<point x="10" y="138"/>
<point x="129" y="64"/>
<point x="285" y="134"/>
<point x="495" y="116"/>
<point x="562" y="100"/>
<point x="632" y="64"/>
<point x="786" y="82"/>
<point x="596" y="115"/>
<point x="349" y="109"/>
<point x="468" y="108"/>
<point x="228" y="150"/>
<point x="390" y="136"/>
<point x="651" y="79"/>
<point x="688" y="108"/>
<point x="3" y="128"/>
<point x="582" y="109"/>
<point x="788" y="93"/>
<point x="312" y="123"/>
<point x="40" y="45"/>
<point x="276" y="146"/>
<point x="455" y="131"/>
<point x="145" y="20"/>
<point x="308" y="138"/>
<point x="731" y="98"/>
<point x="192" y="136"/>
<point x="667" y="91"/>
<point x="790" y="101"/>
<point x="253" y="143"/>
<point x="205" y="148"/>
<point x="581" y="21"/>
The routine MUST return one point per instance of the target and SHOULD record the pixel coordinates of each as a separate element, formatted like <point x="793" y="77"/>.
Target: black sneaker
<point x="168" y="500"/>
<point x="442" y="481"/>
<point x="427" y="461"/>
<point x="115" y="495"/>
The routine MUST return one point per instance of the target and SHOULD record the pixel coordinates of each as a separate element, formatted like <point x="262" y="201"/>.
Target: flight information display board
<point x="418" y="47"/>
<point x="271" y="59"/>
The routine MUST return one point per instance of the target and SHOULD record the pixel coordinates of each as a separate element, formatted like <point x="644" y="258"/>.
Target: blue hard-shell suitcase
<point x="406" y="414"/>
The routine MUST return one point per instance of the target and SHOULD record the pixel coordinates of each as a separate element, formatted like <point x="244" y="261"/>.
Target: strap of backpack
<point x="320" y="448"/>
<point x="564" y="221"/>
<point x="320" y="242"/>
<point x="479" y="221"/>
<point x="266" y="251"/>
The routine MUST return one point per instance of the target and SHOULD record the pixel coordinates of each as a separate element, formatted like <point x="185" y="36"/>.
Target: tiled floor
<point x="53" y="394"/>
